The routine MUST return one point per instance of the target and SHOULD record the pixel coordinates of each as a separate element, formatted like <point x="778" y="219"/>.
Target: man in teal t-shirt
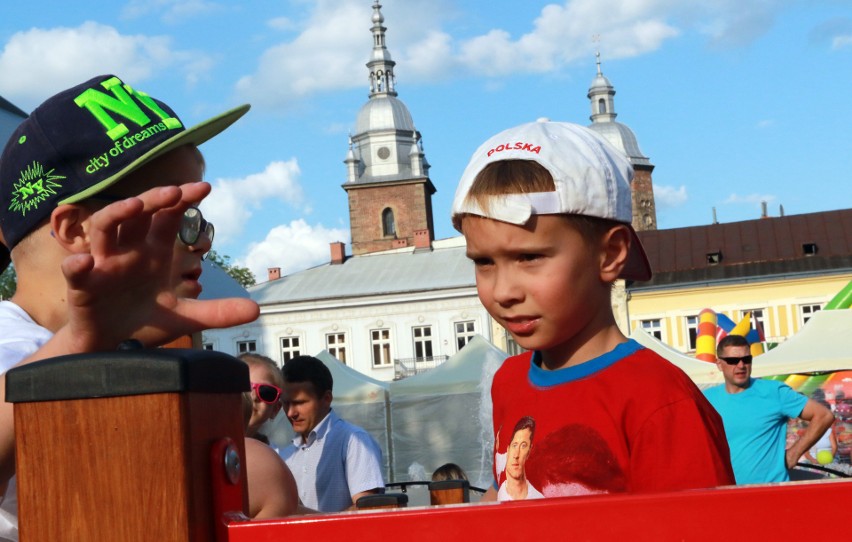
<point x="755" y="414"/>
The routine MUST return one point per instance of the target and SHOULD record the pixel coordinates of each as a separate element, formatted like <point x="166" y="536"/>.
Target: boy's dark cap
<point x="82" y="141"/>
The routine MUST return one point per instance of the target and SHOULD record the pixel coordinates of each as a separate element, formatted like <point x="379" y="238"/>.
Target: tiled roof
<point x="795" y="244"/>
<point x="391" y="272"/>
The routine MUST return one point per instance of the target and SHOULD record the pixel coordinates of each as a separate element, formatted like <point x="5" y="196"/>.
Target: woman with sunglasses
<point x="266" y="383"/>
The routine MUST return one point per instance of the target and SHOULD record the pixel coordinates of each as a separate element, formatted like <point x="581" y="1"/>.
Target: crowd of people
<point x="100" y="188"/>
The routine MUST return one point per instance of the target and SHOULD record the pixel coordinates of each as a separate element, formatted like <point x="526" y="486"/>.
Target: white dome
<point x="383" y="113"/>
<point x="623" y="138"/>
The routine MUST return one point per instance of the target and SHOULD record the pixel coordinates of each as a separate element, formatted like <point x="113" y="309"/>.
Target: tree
<point x="8" y="283"/>
<point x="242" y="275"/>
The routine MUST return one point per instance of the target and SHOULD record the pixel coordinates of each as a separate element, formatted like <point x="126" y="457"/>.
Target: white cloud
<point x="172" y="11"/>
<point x="765" y="123"/>
<point x="46" y="61"/>
<point x="839" y="42"/>
<point x="281" y="23"/>
<point x="292" y="247"/>
<point x="750" y="198"/>
<point x="328" y="54"/>
<point x="669" y="197"/>
<point x="232" y="201"/>
<point x="330" y="51"/>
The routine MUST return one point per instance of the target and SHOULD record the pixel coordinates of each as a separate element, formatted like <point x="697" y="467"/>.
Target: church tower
<point x="601" y="95"/>
<point x="390" y="194"/>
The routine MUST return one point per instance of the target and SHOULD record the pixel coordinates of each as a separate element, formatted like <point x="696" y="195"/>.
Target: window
<point x="207" y="346"/>
<point x="422" y="341"/>
<point x="757" y="320"/>
<point x="806" y="311"/>
<point x="653" y="328"/>
<point x="290" y="348"/>
<point x="335" y="343"/>
<point x="513" y="348"/>
<point x="464" y="333"/>
<point x="601" y="106"/>
<point x="245" y="347"/>
<point x="691" y="332"/>
<point x="388" y="224"/>
<point x="380" y="339"/>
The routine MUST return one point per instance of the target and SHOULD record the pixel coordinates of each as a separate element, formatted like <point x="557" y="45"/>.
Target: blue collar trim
<point x="543" y="378"/>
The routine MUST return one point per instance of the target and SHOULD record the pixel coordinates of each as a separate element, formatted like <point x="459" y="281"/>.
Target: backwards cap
<point x="82" y="141"/>
<point x="592" y="178"/>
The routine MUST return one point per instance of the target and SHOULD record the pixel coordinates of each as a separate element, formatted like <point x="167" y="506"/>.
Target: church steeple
<point x="380" y="64"/>
<point x="390" y="194"/>
<point x="601" y="96"/>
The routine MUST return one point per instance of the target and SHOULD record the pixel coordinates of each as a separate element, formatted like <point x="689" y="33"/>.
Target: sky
<point x="735" y="102"/>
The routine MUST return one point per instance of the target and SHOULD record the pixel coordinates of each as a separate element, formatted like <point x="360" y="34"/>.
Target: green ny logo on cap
<point x="122" y="103"/>
<point x="34" y="186"/>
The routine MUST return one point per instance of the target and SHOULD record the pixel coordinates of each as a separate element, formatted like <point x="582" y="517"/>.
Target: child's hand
<point x="120" y="289"/>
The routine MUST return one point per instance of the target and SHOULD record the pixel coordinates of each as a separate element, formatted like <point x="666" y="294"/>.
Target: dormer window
<point x="714" y="258"/>
<point x="809" y="249"/>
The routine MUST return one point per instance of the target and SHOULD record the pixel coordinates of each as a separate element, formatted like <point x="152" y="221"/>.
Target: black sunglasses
<point x="266" y="392"/>
<point x="191" y="225"/>
<point x="736" y="360"/>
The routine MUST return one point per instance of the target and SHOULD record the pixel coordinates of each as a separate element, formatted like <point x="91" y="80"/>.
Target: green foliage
<point x="240" y="274"/>
<point x="8" y="283"/>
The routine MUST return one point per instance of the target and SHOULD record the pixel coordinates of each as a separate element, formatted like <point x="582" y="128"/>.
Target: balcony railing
<point x="404" y="367"/>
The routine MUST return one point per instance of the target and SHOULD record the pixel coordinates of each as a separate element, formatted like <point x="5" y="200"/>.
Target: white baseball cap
<point x="592" y="178"/>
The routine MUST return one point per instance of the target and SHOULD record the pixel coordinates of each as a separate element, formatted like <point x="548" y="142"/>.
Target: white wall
<point x="357" y="317"/>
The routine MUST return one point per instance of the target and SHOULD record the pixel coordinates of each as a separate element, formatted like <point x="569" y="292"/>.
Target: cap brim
<point x="637" y="266"/>
<point x="197" y="135"/>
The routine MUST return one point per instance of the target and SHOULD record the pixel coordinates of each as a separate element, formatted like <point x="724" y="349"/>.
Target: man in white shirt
<point x="335" y="463"/>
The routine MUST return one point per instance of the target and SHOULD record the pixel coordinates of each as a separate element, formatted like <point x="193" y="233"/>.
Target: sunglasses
<point x="192" y="224"/>
<point x="736" y="360"/>
<point x="266" y="392"/>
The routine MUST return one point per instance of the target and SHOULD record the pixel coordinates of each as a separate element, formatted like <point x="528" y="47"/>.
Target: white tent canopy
<point x="703" y="373"/>
<point x="444" y="415"/>
<point x="823" y="344"/>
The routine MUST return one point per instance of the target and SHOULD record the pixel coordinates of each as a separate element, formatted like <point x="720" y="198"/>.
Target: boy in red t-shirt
<point x="545" y="209"/>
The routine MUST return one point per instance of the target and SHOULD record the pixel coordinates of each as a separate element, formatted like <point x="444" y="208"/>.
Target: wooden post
<point x="117" y="446"/>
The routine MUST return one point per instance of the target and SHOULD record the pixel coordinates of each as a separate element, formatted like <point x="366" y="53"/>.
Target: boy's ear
<point x="614" y="250"/>
<point x="69" y="225"/>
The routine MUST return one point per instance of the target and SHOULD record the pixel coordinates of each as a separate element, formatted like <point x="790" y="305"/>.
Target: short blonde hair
<point x="259" y="360"/>
<point x="523" y="177"/>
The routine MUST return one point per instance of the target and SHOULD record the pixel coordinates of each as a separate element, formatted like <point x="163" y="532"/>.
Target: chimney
<point x="763" y="213"/>
<point x="422" y="239"/>
<point x="399" y="243"/>
<point x="274" y="273"/>
<point x="338" y="252"/>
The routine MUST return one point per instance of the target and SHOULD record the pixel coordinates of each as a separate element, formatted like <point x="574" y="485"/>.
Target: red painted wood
<point x="756" y="513"/>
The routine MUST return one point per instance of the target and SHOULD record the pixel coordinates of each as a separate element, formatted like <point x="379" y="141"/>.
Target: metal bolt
<point x="232" y="463"/>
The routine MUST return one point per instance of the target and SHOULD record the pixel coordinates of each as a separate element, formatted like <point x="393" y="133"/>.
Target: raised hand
<point x="120" y="289"/>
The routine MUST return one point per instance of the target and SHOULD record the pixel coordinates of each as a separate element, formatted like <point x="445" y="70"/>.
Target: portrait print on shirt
<point x="572" y="460"/>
